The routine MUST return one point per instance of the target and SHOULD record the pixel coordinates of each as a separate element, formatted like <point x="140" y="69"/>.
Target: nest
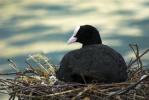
<point x="38" y="82"/>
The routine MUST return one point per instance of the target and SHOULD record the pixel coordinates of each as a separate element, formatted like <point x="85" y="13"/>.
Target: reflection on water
<point x="28" y="26"/>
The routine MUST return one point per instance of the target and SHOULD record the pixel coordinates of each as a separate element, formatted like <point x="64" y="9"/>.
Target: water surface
<point x="29" y="26"/>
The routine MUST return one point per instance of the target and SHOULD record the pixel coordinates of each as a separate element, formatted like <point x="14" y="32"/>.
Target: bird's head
<point x="85" y="34"/>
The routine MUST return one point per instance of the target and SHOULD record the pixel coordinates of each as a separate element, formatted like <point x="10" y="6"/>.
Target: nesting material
<point x="38" y="82"/>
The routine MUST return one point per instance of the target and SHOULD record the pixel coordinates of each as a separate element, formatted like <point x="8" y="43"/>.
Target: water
<point x="29" y="26"/>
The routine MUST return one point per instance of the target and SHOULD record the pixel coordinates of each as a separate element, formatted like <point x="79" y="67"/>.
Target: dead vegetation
<point x="38" y="82"/>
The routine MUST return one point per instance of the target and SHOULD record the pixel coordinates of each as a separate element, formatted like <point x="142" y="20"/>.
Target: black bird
<point x="94" y="62"/>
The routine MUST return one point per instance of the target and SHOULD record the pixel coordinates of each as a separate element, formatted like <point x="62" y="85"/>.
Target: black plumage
<point x="93" y="62"/>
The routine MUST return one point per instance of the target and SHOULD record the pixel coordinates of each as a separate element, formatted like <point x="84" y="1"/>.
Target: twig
<point x="82" y="92"/>
<point x="146" y="51"/>
<point x="50" y="95"/>
<point x="31" y="67"/>
<point x="13" y="73"/>
<point x="120" y="92"/>
<point x="39" y="64"/>
<point x="83" y="78"/>
<point x="13" y="65"/>
<point x="139" y="62"/>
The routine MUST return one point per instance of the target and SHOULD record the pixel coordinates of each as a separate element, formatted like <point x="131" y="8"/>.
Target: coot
<point x="94" y="62"/>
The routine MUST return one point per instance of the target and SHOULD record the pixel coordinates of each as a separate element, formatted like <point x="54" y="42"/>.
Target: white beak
<point x="72" y="40"/>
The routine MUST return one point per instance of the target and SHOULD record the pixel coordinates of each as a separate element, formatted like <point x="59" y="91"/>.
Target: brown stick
<point x="138" y="57"/>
